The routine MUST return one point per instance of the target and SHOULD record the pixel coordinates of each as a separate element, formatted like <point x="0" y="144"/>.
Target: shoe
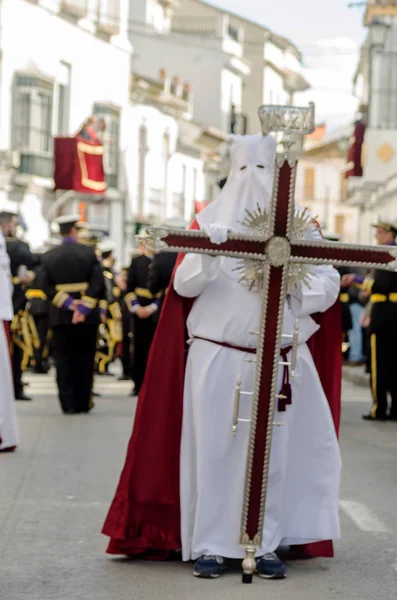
<point x="124" y="378"/>
<point x="371" y="418"/>
<point x="23" y="396"/>
<point x="270" y="566"/>
<point x="209" y="567"/>
<point x="70" y="411"/>
<point x="96" y="394"/>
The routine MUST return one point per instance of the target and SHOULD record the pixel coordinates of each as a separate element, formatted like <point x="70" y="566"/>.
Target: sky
<point x="303" y="21"/>
<point x="329" y="34"/>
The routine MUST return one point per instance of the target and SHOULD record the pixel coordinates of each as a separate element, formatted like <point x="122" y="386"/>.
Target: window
<point x="142" y="150"/>
<point x="383" y="83"/>
<point x="340" y="224"/>
<point x="343" y="187"/>
<point x="309" y="183"/>
<point x="233" y="33"/>
<point x="155" y="202"/>
<point x="178" y="204"/>
<point x="109" y="16"/>
<point x="32" y="124"/>
<point x="195" y="177"/>
<point x="64" y="99"/>
<point x="109" y="121"/>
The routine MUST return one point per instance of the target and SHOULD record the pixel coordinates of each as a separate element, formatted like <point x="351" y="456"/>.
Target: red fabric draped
<point x="78" y="165"/>
<point x="145" y="514"/>
<point x="354" y="167"/>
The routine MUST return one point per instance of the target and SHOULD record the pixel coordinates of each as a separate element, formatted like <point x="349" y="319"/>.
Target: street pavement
<point x="55" y="491"/>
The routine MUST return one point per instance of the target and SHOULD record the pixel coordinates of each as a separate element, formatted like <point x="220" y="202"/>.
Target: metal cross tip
<point x="249" y="565"/>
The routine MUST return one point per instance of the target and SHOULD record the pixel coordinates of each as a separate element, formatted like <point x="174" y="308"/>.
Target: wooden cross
<point x="276" y="250"/>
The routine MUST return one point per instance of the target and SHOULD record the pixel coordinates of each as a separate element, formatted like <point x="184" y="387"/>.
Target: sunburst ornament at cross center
<point x="252" y="270"/>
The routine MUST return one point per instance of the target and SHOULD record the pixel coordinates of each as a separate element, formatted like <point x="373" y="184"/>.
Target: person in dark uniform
<point x="160" y="274"/>
<point x="382" y="329"/>
<point x="126" y="346"/>
<point x="74" y="284"/>
<point x="23" y="261"/>
<point x="110" y="308"/>
<point x="143" y="306"/>
<point x="39" y="308"/>
<point x="347" y="322"/>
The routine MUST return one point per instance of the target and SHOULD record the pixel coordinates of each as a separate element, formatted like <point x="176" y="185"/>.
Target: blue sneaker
<point x="270" y="566"/>
<point x="209" y="567"/>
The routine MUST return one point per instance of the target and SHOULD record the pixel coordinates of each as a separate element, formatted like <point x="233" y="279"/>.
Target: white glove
<point x="216" y="232"/>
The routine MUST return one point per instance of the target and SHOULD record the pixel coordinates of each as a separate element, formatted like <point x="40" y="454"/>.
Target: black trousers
<point x="143" y="336"/>
<point x="126" y="346"/>
<point x="383" y="373"/>
<point x="17" y="356"/>
<point x="41" y="322"/>
<point x="74" y="349"/>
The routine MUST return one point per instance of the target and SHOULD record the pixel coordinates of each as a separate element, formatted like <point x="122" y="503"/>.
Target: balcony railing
<point x="200" y="26"/>
<point x="76" y="8"/>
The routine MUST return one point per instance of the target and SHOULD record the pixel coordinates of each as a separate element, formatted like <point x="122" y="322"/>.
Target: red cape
<point x="145" y="514"/>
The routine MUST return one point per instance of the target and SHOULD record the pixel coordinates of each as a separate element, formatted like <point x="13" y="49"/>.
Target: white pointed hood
<point x="250" y="182"/>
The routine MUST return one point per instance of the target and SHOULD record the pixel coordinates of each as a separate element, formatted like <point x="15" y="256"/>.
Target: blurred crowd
<point x="128" y="304"/>
<point x="73" y="280"/>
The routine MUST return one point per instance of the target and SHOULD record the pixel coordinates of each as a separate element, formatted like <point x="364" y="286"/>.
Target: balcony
<point x="108" y="19"/>
<point x="75" y="8"/>
<point x="171" y="94"/>
<point x="380" y="8"/>
<point x="170" y="4"/>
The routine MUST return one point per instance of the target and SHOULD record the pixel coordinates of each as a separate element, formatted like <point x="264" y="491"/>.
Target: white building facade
<point x="321" y="187"/>
<point x="375" y="194"/>
<point x="58" y="62"/>
<point x="197" y="47"/>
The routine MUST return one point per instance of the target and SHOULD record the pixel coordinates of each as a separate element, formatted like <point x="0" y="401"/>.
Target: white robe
<point x="8" y="419"/>
<point x="303" y="492"/>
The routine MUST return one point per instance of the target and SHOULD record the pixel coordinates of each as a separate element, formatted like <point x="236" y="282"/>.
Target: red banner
<point x="78" y="165"/>
<point x="354" y="167"/>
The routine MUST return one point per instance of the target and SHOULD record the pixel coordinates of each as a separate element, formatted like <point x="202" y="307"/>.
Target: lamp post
<point x="377" y="38"/>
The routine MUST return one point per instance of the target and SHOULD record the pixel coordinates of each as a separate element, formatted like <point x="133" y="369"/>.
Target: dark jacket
<point x="137" y="284"/>
<point x="161" y="272"/>
<point x="38" y="301"/>
<point x="72" y="271"/>
<point x="20" y="256"/>
<point x="384" y="313"/>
